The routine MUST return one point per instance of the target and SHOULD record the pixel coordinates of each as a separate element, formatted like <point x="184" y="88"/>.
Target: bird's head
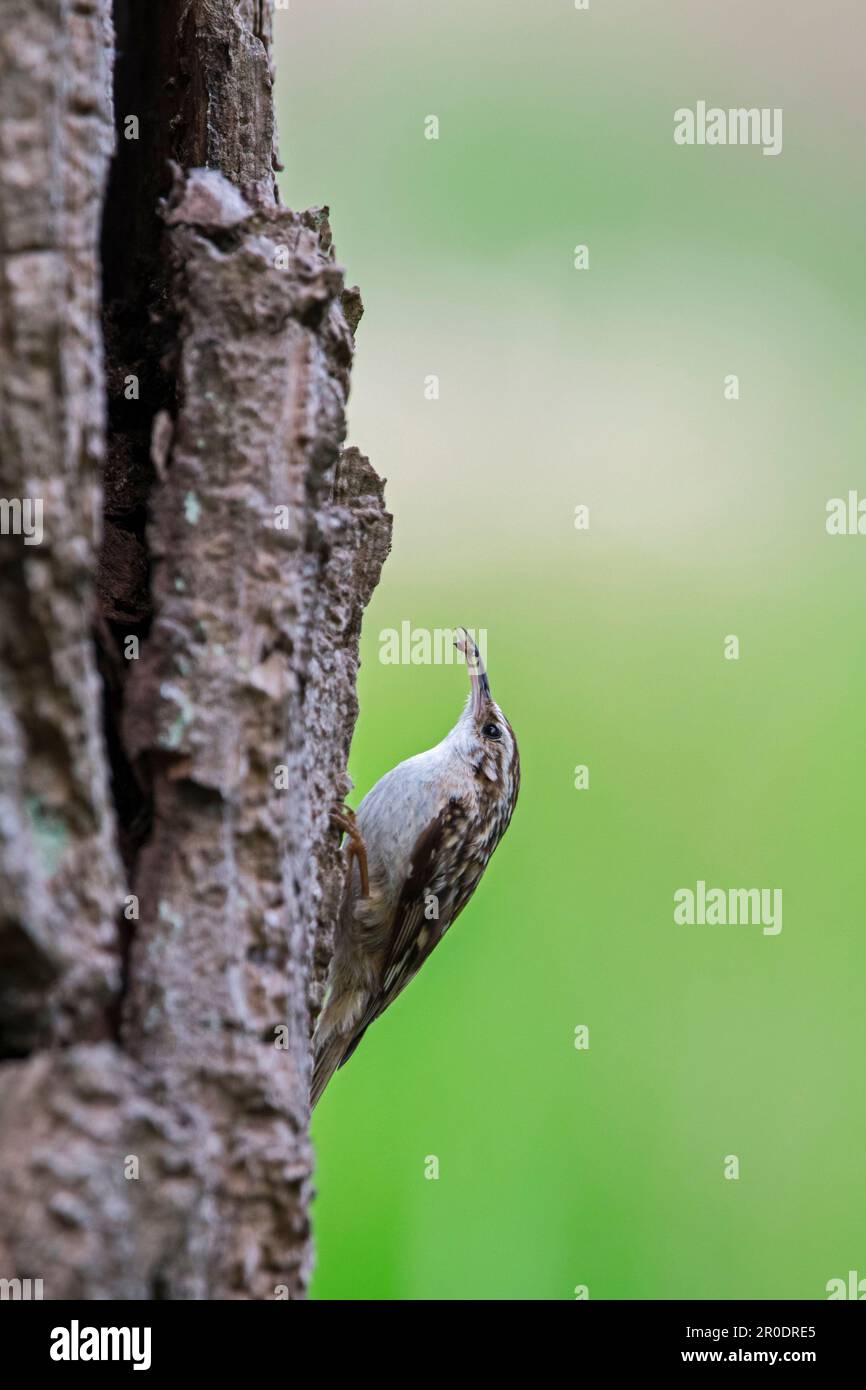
<point x="483" y="734"/>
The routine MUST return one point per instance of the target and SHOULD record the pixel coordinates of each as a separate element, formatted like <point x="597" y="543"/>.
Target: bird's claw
<point x="344" y="817"/>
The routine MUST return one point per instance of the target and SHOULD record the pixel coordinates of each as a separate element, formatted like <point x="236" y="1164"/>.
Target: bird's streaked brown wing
<point x="439" y="866"/>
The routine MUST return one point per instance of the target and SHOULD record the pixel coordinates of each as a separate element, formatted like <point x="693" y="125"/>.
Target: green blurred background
<point x="605" y="1167"/>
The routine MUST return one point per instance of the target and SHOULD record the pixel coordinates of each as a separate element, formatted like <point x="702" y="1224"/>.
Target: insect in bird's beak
<point x="477" y="675"/>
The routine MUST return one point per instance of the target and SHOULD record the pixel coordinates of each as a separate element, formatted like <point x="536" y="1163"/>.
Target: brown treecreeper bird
<point x="417" y="849"/>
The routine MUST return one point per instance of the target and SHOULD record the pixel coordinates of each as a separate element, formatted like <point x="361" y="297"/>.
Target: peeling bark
<point x="153" y="1101"/>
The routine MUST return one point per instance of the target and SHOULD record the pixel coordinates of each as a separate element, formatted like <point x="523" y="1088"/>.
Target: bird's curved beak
<point x="478" y="681"/>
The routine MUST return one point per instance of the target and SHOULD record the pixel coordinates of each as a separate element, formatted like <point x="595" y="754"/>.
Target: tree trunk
<point x="178" y="657"/>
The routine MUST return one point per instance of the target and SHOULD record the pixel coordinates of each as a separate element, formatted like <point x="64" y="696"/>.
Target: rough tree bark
<point x="178" y="658"/>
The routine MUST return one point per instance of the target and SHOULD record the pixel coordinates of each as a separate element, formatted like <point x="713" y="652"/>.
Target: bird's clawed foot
<point x="344" y="817"/>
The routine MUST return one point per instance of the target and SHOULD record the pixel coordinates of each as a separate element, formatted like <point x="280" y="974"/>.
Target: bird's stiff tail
<point x="333" y="1053"/>
<point x="324" y="1066"/>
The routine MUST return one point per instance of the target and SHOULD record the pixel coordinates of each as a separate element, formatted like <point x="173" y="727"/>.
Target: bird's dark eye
<point x="492" y="731"/>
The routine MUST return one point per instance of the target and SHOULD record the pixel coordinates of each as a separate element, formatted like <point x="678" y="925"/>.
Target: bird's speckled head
<point x="483" y="734"/>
